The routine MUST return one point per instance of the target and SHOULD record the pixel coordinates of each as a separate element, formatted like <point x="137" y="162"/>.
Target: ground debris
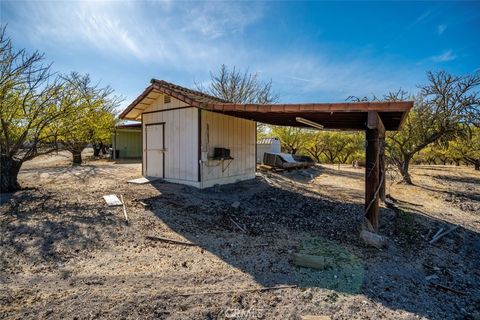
<point x="441" y="286"/>
<point x="64" y="250"/>
<point x="373" y="239"/>
<point x="162" y="239"/>
<point x="236" y="291"/>
<point x="440" y="235"/>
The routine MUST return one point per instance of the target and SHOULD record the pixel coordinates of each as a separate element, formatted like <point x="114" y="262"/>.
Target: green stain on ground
<point x="345" y="271"/>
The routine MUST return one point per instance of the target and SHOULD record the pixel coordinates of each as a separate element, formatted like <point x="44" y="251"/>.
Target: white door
<point x="155" y="150"/>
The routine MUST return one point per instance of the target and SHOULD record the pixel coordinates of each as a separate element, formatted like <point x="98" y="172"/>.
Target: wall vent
<point x="167" y="99"/>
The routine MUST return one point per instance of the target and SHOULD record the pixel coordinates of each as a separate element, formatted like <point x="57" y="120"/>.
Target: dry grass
<point x="65" y="254"/>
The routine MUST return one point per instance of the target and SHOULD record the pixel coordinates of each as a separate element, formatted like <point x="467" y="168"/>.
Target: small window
<point x="166" y="99"/>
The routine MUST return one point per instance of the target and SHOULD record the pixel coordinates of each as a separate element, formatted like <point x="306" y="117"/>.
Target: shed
<point x="271" y="145"/>
<point x="127" y="141"/>
<point x="199" y="140"/>
<point x="180" y="139"/>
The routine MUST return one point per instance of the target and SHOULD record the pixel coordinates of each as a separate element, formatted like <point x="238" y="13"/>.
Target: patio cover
<point x="343" y="115"/>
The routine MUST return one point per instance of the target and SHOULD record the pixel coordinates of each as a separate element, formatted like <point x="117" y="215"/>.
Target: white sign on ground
<point x="112" y="200"/>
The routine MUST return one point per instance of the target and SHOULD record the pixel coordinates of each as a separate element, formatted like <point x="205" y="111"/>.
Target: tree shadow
<point x="261" y="234"/>
<point x="430" y="167"/>
<point x="343" y="173"/>
<point x="468" y="195"/>
<point x="32" y="234"/>
<point x="78" y="172"/>
<point x="126" y="161"/>
<point x="457" y="179"/>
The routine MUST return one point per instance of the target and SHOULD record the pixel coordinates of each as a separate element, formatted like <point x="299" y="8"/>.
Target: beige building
<point x="183" y="143"/>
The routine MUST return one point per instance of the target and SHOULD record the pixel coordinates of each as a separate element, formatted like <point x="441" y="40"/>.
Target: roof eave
<point x="132" y="105"/>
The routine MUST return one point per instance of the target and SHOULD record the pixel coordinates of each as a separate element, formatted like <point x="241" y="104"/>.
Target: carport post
<point x="374" y="167"/>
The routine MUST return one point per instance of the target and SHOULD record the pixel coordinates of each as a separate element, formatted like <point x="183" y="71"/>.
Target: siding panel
<point x="181" y="146"/>
<point x="235" y="134"/>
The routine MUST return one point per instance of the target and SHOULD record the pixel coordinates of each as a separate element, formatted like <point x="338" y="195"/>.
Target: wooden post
<point x="383" y="176"/>
<point x="374" y="133"/>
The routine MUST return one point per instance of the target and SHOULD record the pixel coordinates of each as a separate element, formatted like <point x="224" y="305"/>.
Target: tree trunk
<point x="76" y="149"/>
<point x="77" y="157"/>
<point x="9" y="174"/>
<point x="403" y="168"/>
<point x="96" y="150"/>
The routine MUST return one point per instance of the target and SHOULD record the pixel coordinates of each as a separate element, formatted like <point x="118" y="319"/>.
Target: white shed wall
<point x="158" y="104"/>
<point x="181" y="143"/>
<point x="236" y="134"/>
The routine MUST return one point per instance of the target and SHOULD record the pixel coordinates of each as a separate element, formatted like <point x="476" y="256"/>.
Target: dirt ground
<point x="66" y="255"/>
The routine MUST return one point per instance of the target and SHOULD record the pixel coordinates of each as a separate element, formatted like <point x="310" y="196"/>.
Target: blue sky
<point x="313" y="51"/>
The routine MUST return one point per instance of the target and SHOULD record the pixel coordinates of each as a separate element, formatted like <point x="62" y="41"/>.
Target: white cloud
<point x="406" y="30"/>
<point x="79" y="24"/>
<point x="421" y="17"/>
<point x="441" y="29"/>
<point x="162" y="32"/>
<point x="188" y="41"/>
<point x="445" y="56"/>
<point x="215" y="19"/>
<point x="316" y="77"/>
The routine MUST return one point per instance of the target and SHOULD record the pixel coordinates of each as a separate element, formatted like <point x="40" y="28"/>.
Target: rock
<point x="311" y="317"/>
<point x="235" y="205"/>
<point x="431" y="277"/>
<point x="373" y="239"/>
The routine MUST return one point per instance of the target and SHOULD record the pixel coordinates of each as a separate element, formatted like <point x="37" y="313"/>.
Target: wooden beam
<point x="371" y="176"/>
<point x="375" y="167"/>
<point x="382" y="176"/>
<point x="374" y="122"/>
<point x="401" y="106"/>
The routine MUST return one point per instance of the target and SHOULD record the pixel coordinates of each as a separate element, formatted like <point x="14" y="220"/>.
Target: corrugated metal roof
<point x="268" y="140"/>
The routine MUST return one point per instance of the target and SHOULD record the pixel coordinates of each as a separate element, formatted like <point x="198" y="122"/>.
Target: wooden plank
<point x="262" y="289"/>
<point x="124" y="209"/>
<point x="382" y="173"/>
<point x="167" y="240"/>
<point x="309" y="261"/>
<point x="374" y="122"/>
<point x="441" y="235"/>
<point x="401" y="106"/>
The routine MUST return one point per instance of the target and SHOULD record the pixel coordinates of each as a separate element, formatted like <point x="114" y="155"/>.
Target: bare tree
<point x="28" y="95"/>
<point x="442" y="111"/>
<point x="239" y="87"/>
<point x="35" y="106"/>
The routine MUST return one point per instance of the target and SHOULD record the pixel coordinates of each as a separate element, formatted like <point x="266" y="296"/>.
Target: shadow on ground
<point x="271" y="224"/>
<point x="78" y="172"/>
<point x="343" y="173"/>
<point x="32" y="233"/>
